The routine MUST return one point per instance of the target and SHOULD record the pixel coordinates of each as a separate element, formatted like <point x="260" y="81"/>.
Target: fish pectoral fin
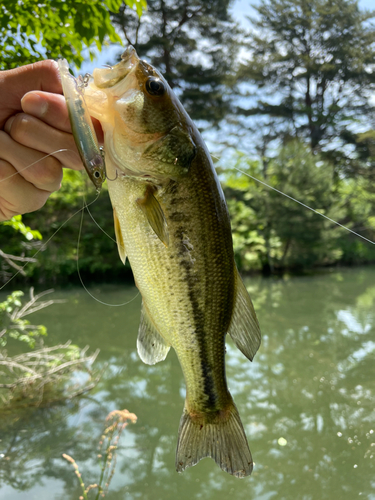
<point x="155" y="215"/>
<point x="151" y="346"/>
<point x="119" y="238"/>
<point x="244" y="327"/>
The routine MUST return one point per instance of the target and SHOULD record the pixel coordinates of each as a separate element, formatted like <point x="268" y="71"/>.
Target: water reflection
<point x="307" y="401"/>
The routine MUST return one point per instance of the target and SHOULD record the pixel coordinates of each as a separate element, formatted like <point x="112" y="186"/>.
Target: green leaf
<point x="17" y="224"/>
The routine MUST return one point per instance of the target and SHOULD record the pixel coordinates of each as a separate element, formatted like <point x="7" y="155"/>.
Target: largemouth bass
<point x="172" y="223"/>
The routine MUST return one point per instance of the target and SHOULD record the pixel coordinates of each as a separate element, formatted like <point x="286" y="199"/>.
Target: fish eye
<point x="154" y="86"/>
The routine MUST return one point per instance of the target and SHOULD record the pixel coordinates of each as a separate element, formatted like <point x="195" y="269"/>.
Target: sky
<point x="240" y="9"/>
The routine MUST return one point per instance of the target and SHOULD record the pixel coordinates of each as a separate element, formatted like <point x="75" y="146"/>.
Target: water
<point x="306" y="402"/>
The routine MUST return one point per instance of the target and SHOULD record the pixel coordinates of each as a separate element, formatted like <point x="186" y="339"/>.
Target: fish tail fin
<point x="220" y="436"/>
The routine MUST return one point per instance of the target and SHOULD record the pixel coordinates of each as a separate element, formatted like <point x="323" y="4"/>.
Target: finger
<point x="17" y="196"/>
<point x="33" y="167"/>
<point x="52" y="109"/>
<point x="43" y="75"/>
<point x="37" y="135"/>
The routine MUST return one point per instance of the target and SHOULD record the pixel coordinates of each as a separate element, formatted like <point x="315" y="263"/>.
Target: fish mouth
<point x="108" y="77"/>
<point x="129" y="54"/>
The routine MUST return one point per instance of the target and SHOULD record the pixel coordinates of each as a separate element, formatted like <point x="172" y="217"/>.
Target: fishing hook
<point x="102" y="152"/>
<point x="106" y="176"/>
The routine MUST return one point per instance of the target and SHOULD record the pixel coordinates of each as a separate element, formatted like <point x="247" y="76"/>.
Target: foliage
<point x="358" y="198"/>
<point x="12" y="323"/>
<point x="17" y="224"/>
<point x="15" y="252"/>
<point x="169" y="31"/>
<point x="313" y="63"/>
<point x="117" y="421"/>
<point x="31" y="30"/>
<point x="273" y="231"/>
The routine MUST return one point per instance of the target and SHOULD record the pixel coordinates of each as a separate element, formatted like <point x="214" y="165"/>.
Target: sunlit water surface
<point x="306" y="402"/>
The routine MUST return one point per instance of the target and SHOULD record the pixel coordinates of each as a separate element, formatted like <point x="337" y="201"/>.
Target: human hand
<point x="34" y="122"/>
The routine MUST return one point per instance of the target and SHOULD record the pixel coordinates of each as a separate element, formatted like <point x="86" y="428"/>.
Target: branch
<point x="43" y="372"/>
<point x="15" y="257"/>
<point x="10" y="363"/>
<point x="10" y="258"/>
<point x="187" y="16"/>
<point x="136" y="31"/>
<point x="28" y="309"/>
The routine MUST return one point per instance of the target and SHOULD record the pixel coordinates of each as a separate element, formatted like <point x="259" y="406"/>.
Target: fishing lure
<point x="82" y="127"/>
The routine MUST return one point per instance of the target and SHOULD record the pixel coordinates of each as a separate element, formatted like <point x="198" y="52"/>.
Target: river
<point x="307" y="401"/>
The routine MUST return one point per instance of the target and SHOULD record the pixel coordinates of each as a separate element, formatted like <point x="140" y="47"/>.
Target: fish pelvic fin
<point x="244" y="327"/>
<point x="220" y="436"/>
<point x="151" y="346"/>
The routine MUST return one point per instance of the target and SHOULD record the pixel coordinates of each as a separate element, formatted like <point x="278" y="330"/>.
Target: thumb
<point x="15" y="83"/>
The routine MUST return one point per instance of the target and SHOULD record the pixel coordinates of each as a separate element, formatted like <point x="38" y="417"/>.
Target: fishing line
<point x="92" y="217"/>
<point x="36" y="161"/>
<point x="79" y="274"/>
<point x="306" y="206"/>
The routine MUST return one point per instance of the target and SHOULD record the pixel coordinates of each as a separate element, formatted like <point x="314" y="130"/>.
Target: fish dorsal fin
<point x="151" y="346"/>
<point x="119" y="238"/>
<point x="155" y="215"/>
<point x="244" y="327"/>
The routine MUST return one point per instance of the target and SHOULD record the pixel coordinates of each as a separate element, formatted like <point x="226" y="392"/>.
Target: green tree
<point x="313" y="65"/>
<point x="194" y="44"/>
<point x="31" y="30"/>
<point x="358" y="198"/>
<point x="272" y="231"/>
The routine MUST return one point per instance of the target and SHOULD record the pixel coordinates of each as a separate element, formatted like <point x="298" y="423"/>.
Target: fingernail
<point x="33" y="104"/>
<point x="8" y="125"/>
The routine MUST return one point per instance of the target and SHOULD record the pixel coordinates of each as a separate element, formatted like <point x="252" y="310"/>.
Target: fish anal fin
<point x="222" y="438"/>
<point x="155" y="215"/>
<point x="151" y="346"/>
<point x="119" y="238"/>
<point x="244" y="327"/>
